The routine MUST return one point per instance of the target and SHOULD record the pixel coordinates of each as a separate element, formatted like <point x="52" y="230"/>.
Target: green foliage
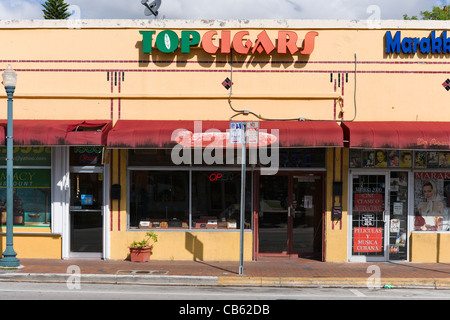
<point x="437" y="13"/>
<point x="146" y="241"/>
<point x="55" y="9"/>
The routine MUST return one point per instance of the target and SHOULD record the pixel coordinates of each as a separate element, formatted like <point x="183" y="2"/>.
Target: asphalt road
<point x="63" y="291"/>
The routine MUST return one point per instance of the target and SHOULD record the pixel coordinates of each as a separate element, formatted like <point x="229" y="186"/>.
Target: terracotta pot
<point x="140" y="254"/>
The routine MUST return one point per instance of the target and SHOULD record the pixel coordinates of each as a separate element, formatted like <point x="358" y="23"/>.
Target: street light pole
<point x="9" y="259"/>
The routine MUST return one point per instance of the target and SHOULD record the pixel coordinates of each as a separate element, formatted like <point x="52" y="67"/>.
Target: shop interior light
<point x="9" y="77"/>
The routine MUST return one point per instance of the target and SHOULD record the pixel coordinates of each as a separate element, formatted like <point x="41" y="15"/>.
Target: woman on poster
<point x="431" y="213"/>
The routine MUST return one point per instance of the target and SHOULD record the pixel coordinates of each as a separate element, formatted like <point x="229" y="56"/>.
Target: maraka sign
<point x="424" y="45"/>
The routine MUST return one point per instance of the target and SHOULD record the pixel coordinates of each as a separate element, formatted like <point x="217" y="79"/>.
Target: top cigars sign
<point x="167" y="41"/>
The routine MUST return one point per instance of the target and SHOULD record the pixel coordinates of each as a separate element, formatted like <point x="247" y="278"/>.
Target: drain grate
<point x="141" y="272"/>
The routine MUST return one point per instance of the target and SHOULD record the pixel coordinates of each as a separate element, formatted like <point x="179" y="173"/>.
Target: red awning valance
<point x="397" y="134"/>
<point x="2" y="135"/>
<point x="167" y="133"/>
<point x="59" y="132"/>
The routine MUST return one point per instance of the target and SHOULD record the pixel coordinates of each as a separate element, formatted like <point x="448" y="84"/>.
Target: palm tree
<point x="55" y="9"/>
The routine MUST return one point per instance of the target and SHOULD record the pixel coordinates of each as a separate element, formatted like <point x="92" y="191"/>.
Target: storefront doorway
<point x="379" y="216"/>
<point x="86" y="213"/>
<point x="289" y="221"/>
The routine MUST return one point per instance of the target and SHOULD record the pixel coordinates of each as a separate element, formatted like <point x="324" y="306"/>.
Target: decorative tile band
<point x="224" y="61"/>
<point x="236" y="71"/>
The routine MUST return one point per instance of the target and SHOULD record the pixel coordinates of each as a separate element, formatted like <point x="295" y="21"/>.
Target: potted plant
<point x="140" y="251"/>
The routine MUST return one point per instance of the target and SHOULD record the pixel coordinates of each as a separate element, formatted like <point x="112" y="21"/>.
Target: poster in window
<point x="368" y="220"/>
<point x="367" y="239"/>
<point x="431" y="212"/>
<point x="368" y="202"/>
<point x="420" y="160"/>
<point x="368" y="158"/>
<point x="401" y="239"/>
<point x="394" y="226"/>
<point x="433" y="159"/>
<point x="397" y="208"/>
<point x="393" y="249"/>
<point x="381" y="159"/>
<point x="393" y="158"/>
<point x="355" y="158"/>
<point x="444" y="159"/>
<point x="405" y="159"/>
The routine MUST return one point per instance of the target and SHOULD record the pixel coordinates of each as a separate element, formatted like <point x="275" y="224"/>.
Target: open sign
<point x="215" y="176"/>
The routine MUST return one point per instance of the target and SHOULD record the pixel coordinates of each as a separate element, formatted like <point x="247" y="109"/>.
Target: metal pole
<point x="9" y="255"/>
<point x="243" y="167"/>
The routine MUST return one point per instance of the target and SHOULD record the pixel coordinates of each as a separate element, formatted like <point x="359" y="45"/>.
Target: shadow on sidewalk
<point x="421" y="267"/>
<point x="215" y="267"/>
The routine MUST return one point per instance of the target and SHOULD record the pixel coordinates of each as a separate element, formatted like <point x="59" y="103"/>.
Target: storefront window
<point x="188" y="197"/>
<point x="431" y="201"/>
<point x="150" y="157"/>
<point x="431" y="188"/>
<point x="302" y="158"/>
<point x="159" y="199"/>
<point x="32" y="186"/>
<point x="216" y="197"/>
<point x="382" y="158"/>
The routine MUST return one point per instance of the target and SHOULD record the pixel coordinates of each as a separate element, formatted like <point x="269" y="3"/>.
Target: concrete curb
<point x="230" y="281"/>
<point x="316" y="282"/>
<point x="109" y="279"/>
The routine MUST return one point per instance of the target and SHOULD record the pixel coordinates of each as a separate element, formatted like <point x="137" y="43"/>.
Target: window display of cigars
<point x="200" y="223"/>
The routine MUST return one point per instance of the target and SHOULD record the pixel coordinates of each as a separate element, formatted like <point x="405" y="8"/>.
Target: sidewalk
<point x="276" y="272"/>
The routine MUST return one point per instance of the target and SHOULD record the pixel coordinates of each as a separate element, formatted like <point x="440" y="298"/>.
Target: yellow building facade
<point x="122" y="127"/>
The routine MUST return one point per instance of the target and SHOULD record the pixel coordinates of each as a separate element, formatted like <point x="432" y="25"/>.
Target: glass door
<point x="398" y="218"/>
<point x="307" y="202"/>
<point x="273" y="214"/>
<point x="368" y="217"/>
<point x="290" y="214"/>
<point x="86" y="213"/>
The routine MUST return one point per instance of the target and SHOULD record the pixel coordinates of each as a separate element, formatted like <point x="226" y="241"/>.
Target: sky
<point x="228" y="9"/>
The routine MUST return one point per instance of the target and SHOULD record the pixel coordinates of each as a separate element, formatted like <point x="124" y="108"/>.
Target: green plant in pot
<point x="140" y="251"/>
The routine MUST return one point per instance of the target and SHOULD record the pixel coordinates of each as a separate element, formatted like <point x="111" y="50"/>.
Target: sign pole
<point x="243" y="168"/>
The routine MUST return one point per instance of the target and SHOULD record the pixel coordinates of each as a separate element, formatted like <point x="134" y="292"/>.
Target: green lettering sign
<point x="167" y="41"/>
<point x="147" y="39"/>
<point x="189" y="39"/>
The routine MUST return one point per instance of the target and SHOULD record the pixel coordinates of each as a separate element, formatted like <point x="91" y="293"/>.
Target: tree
<point x="55" y="9"/>
<point x="437" y="13"/>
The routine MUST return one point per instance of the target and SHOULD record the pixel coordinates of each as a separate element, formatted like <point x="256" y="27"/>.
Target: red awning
<point x="167" y="133"/>
<point x="397" y="134"/>
<point x="2" y="135"/>
<point x="59" y="132"/>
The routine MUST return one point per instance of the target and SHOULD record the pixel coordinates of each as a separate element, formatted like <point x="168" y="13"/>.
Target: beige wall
<point x="430" y="247"/>
<point x="189" y="245"/>
<point x="37" y="246"/>
<point x="396" y="87"/>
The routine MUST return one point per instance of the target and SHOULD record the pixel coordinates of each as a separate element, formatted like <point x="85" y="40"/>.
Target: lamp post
<point x="9" y="255"/>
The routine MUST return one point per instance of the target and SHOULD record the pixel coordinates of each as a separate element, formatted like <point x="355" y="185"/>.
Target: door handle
<point x="384" y="216"/>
